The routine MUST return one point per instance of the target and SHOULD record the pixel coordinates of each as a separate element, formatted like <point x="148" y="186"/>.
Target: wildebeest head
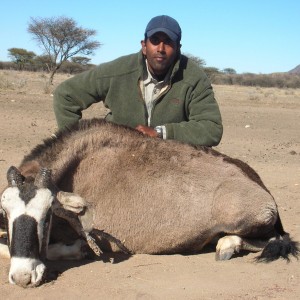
<point x="26" y="204"/>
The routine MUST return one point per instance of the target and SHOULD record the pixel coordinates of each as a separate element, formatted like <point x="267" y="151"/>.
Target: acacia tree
<point x="41" y="62"/>
<point x="229" y="71"/>
<point x="21" y="57"/>
<point x="80" y="60"/>
<point x="61" y="38"/>
<point x="199" y="61"/>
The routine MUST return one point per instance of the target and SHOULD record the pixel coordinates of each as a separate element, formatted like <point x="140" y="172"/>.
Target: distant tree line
<point x="62" y="41"/>
<point x="279" y="80"/>
<point x="229" y="76"/>
<point x="22" y="59"/>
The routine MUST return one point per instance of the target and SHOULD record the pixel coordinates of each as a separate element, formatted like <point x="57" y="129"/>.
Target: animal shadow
<point x="57" y="268"/>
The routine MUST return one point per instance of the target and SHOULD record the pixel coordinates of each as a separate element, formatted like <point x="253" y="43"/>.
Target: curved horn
<point x="43" y="178"/>
<point x="14" y="177"/>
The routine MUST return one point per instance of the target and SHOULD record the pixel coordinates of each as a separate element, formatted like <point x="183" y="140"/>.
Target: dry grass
<point x="28" y="82"/>
<point x="36" y="83"/>
<point x="242" y="95"/>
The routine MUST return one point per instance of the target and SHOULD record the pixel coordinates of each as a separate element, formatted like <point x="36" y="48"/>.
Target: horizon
<point x="253" y="37"/>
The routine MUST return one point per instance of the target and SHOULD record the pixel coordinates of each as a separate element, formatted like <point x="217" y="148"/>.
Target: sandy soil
<point x="261" y="128"/>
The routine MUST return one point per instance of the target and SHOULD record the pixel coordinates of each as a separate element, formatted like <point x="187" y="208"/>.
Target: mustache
<point x="159" y="56"/>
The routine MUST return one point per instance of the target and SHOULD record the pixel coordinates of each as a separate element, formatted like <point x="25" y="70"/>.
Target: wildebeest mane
<point x="56" y="142"/>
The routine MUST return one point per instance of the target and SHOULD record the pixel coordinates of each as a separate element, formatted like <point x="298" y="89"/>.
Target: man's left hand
<point x="146" y="130"/>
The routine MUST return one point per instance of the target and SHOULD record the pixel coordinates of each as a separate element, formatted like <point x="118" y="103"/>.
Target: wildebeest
<point x="148" y="195"/>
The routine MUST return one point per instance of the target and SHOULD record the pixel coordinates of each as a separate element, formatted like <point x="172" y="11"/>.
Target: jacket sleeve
<point x="74" y="95"/>
<point x="204" y="125"/>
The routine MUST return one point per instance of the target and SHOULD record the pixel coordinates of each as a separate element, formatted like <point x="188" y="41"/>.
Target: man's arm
<point x="74" y="95"/>
<point x="204" y="126"/>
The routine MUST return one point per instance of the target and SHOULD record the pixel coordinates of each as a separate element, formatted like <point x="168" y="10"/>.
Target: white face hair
<point x="26" y="272"/>
<point x="26" y="268"/>
<point x="36" y="208"/>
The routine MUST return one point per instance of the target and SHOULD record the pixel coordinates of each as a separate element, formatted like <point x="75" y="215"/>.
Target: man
<point x="158" y="91"/>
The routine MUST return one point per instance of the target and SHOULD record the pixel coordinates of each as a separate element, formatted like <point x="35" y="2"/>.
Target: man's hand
<point x="146" y="130"/>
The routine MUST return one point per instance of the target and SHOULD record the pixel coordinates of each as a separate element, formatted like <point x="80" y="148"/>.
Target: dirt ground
<point x="261" y="127"/>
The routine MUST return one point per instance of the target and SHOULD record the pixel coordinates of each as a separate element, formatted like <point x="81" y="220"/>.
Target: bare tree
<point x="61" y="38"/>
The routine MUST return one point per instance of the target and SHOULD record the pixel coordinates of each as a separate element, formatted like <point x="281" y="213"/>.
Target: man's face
<point x="160" y="52"/>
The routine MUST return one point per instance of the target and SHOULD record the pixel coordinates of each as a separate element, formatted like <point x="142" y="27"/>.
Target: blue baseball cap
<point x="164" y="24"/>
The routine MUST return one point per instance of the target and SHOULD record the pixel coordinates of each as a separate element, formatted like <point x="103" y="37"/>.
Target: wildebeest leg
<point x="60" y="251"/>
<point x="230" y="244"/>
<point x="101" y="235"/>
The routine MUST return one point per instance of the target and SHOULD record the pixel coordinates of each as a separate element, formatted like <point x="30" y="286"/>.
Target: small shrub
<point x="5" y="84"/>
<point x="253" y="97"/>
<point x="21" y="83"/>
<point x="268" y="94"/>
<point x="289" y="92"/>
<point x="43" y="75"/>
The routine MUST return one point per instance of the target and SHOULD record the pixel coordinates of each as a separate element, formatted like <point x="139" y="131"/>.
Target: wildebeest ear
<point x="71" y="201"/>
<point x="14" y="177"/>
<point x="78" y="205"/>
<point x="43" y="178"/>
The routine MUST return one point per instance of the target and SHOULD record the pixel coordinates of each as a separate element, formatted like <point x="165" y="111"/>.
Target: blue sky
<point x="258" y="36"/>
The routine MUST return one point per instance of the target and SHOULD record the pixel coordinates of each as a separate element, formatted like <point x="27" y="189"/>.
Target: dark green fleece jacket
<point x="187" y="109"/>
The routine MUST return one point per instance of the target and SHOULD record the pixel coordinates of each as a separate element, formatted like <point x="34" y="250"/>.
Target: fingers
<point x="149" y="131"/>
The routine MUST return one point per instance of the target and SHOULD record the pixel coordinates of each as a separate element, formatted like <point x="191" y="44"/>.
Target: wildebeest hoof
<point x="227" y="246"/>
